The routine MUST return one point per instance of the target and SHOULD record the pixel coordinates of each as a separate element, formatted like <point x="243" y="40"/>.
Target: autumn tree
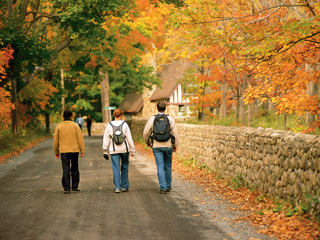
<point x="257" y="44"/>
<point x="30" y="27"/>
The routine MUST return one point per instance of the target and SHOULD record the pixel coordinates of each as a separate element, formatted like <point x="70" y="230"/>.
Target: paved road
<point x="33" y="206"/>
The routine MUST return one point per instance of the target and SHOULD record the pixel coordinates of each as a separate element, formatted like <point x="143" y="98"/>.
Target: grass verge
<point x="13" y="144"/>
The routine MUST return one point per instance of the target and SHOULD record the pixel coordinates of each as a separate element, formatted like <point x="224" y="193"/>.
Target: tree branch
<point x="43" y="14"/>
<point x="293" y="43"/>
<point x="39" y="69"/>
<point x="247" y="16"/>
<point x="310" y="8"/>
<point x="24" y="9"/>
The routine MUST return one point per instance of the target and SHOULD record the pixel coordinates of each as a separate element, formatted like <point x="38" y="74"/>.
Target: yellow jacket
<point x="68" y="138"/>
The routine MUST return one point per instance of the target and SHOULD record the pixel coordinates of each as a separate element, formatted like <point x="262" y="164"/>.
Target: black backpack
<point x="118" y="137"/>
<point x="161" y="128"/>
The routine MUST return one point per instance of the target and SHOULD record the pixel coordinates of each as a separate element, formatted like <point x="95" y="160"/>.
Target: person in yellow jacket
<point x="68" y="142"/>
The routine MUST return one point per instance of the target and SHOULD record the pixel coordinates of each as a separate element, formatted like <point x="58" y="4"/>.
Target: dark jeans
<point x="66" y="159"/>
<point x="89" y="130"/>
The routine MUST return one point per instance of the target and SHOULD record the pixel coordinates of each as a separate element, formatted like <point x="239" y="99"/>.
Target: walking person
<point x="79" y="121"/>
<point x="117" y="141"/>
<point x="161" y="134"/>
<point x="68" y="142"/>
<point x="89" y="123"/>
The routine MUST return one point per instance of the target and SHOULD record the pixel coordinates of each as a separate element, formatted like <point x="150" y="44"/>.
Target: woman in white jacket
<point x="117" y="142"/>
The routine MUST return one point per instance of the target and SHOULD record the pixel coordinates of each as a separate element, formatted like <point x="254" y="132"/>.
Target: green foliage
<point x="191" y="162"/>
<point x="289" y="212"/>
<point x="37" y="39"/>
<point x="238" y="181"/>
<point x="259" y="212"/>
<point x="278" y="208"/>
<point x="204" y="167"/>
<point x="311" y="204"/>
<point x="129" y="78"/>
<point x="261" y="198"/>
<point x="177" y="3"/>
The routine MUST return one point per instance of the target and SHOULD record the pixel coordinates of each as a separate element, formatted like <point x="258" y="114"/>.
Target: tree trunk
<point x="265" y="108"/>
<point x="200" y="113"/>
<point x="284" y="121"/>
<point x="224" y="95"/>
<point x="270" y="106"/>
<point x="311" y="91"/>
<point x="249" y="114"/>
<point x="224" y="101"/>
<point x="254" y="107"/>
<point x="218" y="111"/>
<point x="48" y="77"/>
<point x="47" y="122"/>
<point x="242" y="111"/>
<point x="238" y="105"/>
<point x="106" y="116"/>
<point x="62" y="88"/>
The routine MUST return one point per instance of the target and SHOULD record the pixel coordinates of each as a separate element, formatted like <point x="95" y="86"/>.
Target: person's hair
<point x="118" y="112"/>
<point x="161" y="106"/>
<point x="67" y="114"/>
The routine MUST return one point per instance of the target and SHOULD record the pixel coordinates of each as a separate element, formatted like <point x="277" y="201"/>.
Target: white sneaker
<point x="117" y="190"/>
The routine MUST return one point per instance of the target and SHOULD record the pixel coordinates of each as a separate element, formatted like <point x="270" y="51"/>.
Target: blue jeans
<point x="163" y="158"/>
<point x="120" y="168"/>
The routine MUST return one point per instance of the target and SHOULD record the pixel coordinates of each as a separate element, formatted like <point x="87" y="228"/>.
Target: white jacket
<point x="107" y="145"/>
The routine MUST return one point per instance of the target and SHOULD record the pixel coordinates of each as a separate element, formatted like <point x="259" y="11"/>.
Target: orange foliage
<point x="92" y="63"/>
<point x="39" y="91"/>
<point x="5" y="109"/>
<point x="5" y="103"/>
<point x="260" y="49"/>
<point x="5" y="56"/>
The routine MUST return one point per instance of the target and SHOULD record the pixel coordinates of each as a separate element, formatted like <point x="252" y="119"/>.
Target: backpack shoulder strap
<point x="121" y="124"/>
<point x="113" y="126"/>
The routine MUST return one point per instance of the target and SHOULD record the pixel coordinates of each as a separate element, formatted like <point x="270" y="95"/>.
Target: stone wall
<point x="279" y="163"/>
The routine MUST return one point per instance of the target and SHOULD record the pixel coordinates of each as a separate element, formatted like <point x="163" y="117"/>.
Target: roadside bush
<point x="12" y="142"/>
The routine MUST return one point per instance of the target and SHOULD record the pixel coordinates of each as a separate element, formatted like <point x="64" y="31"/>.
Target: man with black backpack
<point x="117" y="141"/>
<point x="161" y="134"/>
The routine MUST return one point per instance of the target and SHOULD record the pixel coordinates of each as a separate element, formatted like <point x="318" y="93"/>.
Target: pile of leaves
<point x="271" y="216"/>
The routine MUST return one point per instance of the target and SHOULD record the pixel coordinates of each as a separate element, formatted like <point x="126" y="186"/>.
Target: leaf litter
<point x="257" y="209"/>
